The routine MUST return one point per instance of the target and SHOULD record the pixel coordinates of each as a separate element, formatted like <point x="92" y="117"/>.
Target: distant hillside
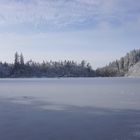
<point x="134" y="70"/>
<point x="122" y="66"/>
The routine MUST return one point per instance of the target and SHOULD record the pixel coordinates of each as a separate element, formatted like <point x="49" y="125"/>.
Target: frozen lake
<point x="70" y="109"/>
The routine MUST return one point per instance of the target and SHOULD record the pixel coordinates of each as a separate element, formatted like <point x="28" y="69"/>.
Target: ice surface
<point x="119" y="93"/>
<point x="70" y="109"/>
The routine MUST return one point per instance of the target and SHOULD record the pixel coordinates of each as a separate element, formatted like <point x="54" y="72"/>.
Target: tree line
<point x="45" y="69"/>
<point x="66" y="68"/>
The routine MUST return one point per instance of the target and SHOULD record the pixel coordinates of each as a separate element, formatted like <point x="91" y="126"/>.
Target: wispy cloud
<point x="69" y="29"/>
<point x="58" y="14"/>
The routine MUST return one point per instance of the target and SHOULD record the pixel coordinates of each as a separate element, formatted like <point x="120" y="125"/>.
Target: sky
<point x="98" y="31"/>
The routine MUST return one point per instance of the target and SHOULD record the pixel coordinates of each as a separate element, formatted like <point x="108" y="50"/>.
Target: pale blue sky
<point x="98" y="31"/>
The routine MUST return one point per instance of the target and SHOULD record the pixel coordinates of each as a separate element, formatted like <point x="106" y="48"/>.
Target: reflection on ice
<point x="53" y="107"/>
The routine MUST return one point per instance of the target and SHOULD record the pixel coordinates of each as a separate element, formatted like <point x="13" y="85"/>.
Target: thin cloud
<point x="67" y="13"/>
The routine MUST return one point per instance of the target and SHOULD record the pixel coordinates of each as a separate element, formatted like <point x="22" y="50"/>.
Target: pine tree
<point x="21" y="60"/>
<point x="16" y="63"/>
